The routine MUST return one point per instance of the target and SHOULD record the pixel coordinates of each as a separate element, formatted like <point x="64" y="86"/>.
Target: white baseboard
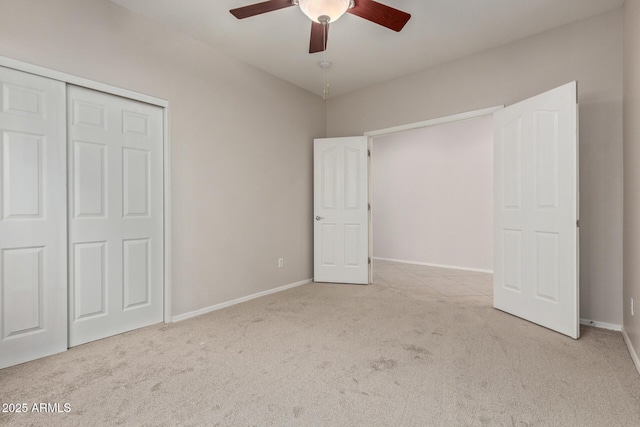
<point x="222" y="305"/>
<point x="632" y="351"/>
<point x="601" y="325"/>
<point x="455" y="267"/>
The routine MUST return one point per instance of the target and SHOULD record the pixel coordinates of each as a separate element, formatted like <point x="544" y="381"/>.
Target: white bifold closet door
<point x="115" y="163"/>
<point x="33" y="251"/>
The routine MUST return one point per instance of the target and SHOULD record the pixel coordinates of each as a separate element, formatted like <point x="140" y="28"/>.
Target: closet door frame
<point x="166" y="147"/>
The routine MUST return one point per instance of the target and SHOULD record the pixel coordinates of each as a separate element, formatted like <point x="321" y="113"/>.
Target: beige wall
<point x="590" y="52"/>
<point x="241" y="141"/>
<point x="632" y="171"/>
<point x="432" y="194"/>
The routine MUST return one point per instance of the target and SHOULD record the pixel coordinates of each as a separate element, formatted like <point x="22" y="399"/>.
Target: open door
<point x="341" y="217"/>
<point x="536" y="210"/>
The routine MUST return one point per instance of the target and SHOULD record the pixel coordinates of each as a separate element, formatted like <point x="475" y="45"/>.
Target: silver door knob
<point x="318" y="218"/>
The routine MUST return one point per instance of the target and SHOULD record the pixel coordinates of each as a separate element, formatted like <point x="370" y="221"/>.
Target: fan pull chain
<point x="325" y="63"/>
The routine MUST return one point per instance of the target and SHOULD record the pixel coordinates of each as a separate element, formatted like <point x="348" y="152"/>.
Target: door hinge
<point x="368" y="153"/>
<point x="578" y="223"/>
<point x="369" y="260"/>
<point x="369" y="207"/>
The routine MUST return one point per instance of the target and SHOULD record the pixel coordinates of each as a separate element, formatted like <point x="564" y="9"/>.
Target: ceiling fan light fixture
<point x="317" y="9"/>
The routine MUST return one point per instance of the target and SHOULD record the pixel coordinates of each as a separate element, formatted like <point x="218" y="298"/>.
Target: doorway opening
<point x="431" y="227"/>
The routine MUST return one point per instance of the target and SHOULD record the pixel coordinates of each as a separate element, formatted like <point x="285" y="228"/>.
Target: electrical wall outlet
<point x="280" y="262"/>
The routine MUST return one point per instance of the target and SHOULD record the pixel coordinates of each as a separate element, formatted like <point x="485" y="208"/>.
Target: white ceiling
<point x="363" y="53"/>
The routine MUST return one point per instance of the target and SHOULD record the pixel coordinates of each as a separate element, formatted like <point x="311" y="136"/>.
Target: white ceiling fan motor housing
<point x="324" y="10"/>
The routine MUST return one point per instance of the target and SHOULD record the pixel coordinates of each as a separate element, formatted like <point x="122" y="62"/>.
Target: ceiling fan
<point x="323" y="12"/>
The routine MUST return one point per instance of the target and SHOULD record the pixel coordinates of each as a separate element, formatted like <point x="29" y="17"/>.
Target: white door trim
<point x="125" y="93"/>
<point x="80" y="81"/>
<point x="437" y="121"/>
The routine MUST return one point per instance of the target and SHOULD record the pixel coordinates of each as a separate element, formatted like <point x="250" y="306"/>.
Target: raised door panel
<point x="352" y="245"/>
<point x="23" y="100"/>
<point x="546" y="159"/>
<point x="23" y="175"/>
<point x="512" y="271"/>
<point x="135" y="123"/>
<point x="328" y="243"/>
<point x="89" y="115"/>
<point x="511" y="150"/>
<point x="329" y="179"/>
<point x="136" y="192"/>
<point x="22" y="290"/>
<point x="352" y="179"/>
<point x="547" y="266"/>
<point x="89" y="180"/>
<point x="90" y="284"/>
<point x="136" y="273"/>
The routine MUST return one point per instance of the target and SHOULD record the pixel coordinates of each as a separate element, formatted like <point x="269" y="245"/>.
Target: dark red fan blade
<point x="319" y="37"/>
<point x="381" y="14"/>
<point x="259" y="8"/>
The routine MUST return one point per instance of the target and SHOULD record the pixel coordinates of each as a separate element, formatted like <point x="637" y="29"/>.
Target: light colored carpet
<point x="420" y="347"/>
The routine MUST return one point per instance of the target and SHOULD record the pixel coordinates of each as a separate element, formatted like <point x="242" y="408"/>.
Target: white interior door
<point x="536" y="210"/>
<point x="115" y="214"/>
<point x="341" y="230"/>
<point x="33" y="273"/>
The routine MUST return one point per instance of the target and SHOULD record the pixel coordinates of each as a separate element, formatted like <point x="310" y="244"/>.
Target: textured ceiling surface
<point x="361" y="52"/>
